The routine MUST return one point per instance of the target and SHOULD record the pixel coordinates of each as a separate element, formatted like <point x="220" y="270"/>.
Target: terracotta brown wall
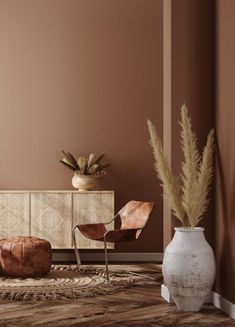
<point x="225" y="118"/>
<point x="192" y="79"/>
<point x="83" y="76"/>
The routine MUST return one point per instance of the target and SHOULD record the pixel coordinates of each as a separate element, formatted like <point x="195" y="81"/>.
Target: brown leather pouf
<point x="24" y="256"/>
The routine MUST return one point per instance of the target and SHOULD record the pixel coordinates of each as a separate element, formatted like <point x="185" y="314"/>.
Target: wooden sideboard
<point x="52" y="214"/>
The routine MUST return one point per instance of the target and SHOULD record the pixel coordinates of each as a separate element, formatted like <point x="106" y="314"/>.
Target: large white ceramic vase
<point x="189" y="268"/>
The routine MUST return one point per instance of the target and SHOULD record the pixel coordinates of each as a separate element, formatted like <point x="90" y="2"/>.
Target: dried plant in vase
<point x="86" y="170"/>
<point x="188" y="201"/>
<point x="188" y="263"/>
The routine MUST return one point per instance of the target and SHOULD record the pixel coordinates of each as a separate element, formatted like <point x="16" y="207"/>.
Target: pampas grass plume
<point x="188" y="201"/>
<point x="170" y="183"/>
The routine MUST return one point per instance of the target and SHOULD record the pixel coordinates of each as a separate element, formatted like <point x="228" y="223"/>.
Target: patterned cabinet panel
<point x="51" y="218"/>
<point x="14" y="214"/>
<point x="92" y="207"/>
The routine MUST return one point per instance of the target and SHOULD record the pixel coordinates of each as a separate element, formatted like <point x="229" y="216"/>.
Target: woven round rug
<point x="63" y="282"/>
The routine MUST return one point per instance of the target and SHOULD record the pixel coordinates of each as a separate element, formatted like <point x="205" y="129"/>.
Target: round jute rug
<point x="63" y="282"/>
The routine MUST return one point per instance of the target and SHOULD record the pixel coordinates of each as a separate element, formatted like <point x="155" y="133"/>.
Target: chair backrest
<point x="135" y="214"/>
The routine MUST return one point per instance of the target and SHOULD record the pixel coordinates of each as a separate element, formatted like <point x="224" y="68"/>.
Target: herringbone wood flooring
<point x="139" y="306"/>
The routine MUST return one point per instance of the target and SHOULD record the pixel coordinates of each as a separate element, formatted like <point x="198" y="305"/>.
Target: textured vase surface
<point x="189" y="268"/>
<point x="84" y="182"/>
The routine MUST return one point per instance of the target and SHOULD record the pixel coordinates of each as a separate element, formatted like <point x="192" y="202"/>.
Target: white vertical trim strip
<point x="225" y="305"/>
<point x="219" y="301"/>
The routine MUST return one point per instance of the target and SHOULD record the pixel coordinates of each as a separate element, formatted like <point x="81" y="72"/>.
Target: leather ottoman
<point x="23" y="256"/>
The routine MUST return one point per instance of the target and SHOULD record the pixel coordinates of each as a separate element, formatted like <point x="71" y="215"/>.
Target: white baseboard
<point x="223" y="304"/>
<point x="165" y="294"/>
<point x="116" y="257"/>
<point x="219" y="301"/>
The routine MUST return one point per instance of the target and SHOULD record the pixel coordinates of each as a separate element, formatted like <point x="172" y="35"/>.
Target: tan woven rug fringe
<point x="63" y="282"/>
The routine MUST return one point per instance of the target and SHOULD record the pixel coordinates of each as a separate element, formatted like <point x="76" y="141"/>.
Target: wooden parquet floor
<point x="139" y="306"/>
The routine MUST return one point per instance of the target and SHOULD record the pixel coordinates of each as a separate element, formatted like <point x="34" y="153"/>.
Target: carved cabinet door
<point x="14" y="214"/>
<point x="51" y="218"/>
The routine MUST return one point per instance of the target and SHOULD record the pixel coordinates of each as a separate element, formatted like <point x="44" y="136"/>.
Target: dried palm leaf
<point x="99" y="158"/>
<point x="93" y="169"/>
<point x="69" y="158"/>
<point x="91" y="160"/>
<point x="67" y="165"/>
<point x="82" y="162"/>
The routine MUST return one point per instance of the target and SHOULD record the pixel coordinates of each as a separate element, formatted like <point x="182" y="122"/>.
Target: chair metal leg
<point x="76" y="250"/>
<point x="106" y="259"/>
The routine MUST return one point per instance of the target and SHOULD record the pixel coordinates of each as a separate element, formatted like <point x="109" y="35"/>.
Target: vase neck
<point x="189" y="229"/>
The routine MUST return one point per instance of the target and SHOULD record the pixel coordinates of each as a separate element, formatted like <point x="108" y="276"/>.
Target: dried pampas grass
<point x="165" y="174"/>
<point x="189" y="201"/>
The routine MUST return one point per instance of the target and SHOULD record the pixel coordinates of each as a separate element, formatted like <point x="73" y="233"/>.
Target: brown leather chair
<point x="133" y="216"/>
